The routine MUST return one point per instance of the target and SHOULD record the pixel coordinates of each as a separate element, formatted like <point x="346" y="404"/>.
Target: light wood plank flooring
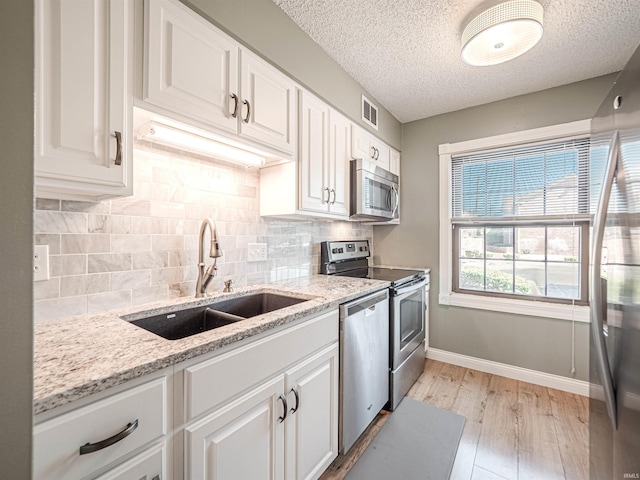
<point x="514" y="430"/>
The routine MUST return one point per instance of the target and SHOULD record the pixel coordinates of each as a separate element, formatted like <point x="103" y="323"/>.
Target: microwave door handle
<point x="397" y="197"/>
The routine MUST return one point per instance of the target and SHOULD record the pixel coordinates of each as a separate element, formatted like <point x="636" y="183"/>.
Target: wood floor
<point x="514" y="430"/>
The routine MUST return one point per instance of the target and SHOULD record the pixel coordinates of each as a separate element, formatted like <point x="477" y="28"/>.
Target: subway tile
<point x="146" y="260"/>
<point x="130" y="243"/>
<point x="84" y="284"/>
<point x="183" y="289"/>
<point x="140" y="296"/>
<point x="130" y="280"/>
<point x="46" y="289"/>
<point x="131" y="206"/>
<point x="102" y="302"/>
<point x="140" y="225"/>
<point x="86" y="207"/>
<point x="70" y="265"/>
<point x="167" y="242"/>
<point x="167" y="209"/>
<point x="47" y="204"/>
<point x="99" y="223"/>
<point x="84" y="243"/>
<point x="59" y="222"/>
<point x="109" y="262"/>
<point x="167" y="276"/>
<point x="51" y="239"/>
<point x="58" y="308"/>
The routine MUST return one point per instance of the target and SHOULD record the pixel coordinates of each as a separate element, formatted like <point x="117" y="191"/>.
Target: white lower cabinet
<point x="311" y="431"/>
<point x="273" y="407"/>
<point x="243" y="439"/>
<point x="99" y="437"/>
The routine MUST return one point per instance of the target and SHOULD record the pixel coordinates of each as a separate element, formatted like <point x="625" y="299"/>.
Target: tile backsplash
<point x="144" y="248"/>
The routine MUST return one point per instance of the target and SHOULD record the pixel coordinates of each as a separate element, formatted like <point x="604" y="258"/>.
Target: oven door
<point x="407" y="320"/>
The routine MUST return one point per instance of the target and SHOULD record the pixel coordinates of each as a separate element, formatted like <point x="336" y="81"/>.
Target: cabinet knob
<point x="118" y="160"/>
<point x="235" y="105"/>
<point x="246" y="119"/>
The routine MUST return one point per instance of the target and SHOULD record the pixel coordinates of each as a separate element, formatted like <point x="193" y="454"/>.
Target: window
<point x="517" y="225"/>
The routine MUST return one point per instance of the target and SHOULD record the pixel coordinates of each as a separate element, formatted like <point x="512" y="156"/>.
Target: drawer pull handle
<point x="286" y="408"/>
<point x="295" y="393"/>
<point x="94" y="447"/>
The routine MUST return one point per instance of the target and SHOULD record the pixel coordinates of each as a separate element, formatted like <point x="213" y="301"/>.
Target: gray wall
<point x="529" y="342"/>
<point x="16" y="212"/>
<point x="266" y="29"/>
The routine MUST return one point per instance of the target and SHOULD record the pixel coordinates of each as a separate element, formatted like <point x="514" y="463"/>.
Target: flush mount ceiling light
<point x="502" y="32"/>
<point x="192" y="142"/>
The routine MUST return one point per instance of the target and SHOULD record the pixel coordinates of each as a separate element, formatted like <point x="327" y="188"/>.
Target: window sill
<point x="519" y="307"/>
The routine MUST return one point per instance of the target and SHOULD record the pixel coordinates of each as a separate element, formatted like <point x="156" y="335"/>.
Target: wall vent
<point x="369" y="112"/>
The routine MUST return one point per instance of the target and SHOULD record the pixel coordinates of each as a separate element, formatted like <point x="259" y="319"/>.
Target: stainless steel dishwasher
<point x="364" y="364"/>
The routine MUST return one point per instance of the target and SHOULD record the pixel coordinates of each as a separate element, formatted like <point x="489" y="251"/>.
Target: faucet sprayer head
<point x="215" y="251"/>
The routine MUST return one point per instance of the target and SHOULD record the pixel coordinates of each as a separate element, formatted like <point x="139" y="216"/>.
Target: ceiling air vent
<point x="369" y="112"/>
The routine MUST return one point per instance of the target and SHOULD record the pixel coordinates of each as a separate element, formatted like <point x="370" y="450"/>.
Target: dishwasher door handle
<point x="370" y="311"/>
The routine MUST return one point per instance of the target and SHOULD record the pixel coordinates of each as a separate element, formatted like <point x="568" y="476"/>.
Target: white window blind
<point x="543" y="181"/>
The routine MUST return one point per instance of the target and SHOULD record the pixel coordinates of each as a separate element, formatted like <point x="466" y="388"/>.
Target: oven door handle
<point x="414" y="285"/>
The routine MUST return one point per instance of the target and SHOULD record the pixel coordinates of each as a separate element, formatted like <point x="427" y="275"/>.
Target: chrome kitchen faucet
<point x="204" y="277"/>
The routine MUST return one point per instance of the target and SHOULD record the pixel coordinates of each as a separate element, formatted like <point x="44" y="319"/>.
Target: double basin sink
<point x="191" y="321"/>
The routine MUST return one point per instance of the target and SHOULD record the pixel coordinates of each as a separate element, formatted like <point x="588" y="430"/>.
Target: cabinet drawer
<point x="211" y="382"/>
<point x="57" y="441"/>
<point x="149" y="465"/>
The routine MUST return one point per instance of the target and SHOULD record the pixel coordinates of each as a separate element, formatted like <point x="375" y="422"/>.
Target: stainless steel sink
<point x="191" y="321"/>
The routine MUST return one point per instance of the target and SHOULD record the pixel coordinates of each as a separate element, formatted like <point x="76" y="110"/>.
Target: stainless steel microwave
<point x="374" y="192"/>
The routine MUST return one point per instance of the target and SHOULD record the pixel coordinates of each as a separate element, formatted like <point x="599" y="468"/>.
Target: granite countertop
<point x="82" y="355"/>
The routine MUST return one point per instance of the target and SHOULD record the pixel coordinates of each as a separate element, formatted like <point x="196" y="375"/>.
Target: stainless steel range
<point x="407" y="309"/>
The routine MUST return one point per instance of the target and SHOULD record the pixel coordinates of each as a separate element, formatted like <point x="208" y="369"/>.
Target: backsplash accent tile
<point x="144" y="248"/>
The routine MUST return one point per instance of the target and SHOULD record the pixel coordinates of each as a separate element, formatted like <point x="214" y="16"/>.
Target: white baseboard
<point x="558" y="382"/>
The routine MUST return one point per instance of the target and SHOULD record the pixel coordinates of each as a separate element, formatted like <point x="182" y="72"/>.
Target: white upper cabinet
<point x="191" y="68"/>
<point x="268" y="104"/>
<point x="84" y="98"/>
<point x="394" y="161"/>
<point x="368" y="147"/>
<point x="196" y="71"/>
<point x="324" y="155"/>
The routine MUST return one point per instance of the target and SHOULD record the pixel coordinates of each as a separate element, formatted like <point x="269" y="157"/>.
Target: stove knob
<point x="341" y="250"/>
<point x="335" y="250"/>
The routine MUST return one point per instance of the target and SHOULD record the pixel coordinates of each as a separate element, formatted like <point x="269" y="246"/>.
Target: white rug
<point x="418" y="442"/>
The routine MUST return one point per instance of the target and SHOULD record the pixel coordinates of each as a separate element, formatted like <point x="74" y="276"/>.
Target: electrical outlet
<point x="40" y="263"/>
<point x="256" y="252"/>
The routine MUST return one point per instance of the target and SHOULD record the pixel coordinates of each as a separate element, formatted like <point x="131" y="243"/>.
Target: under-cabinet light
<point x="174" y="137"/>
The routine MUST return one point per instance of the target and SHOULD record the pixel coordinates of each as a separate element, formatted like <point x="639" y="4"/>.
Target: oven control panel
<point x="339" y="251"/>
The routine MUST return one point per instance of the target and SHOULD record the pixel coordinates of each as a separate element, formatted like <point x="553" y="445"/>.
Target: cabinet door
<point x="394" y="161"/>
<point x="190" y="67"/>
<point x="268" y="106"/>
<point x="339" y="158"/>
<point x="368" y="147"/>
<point x="312" y="422"/>
<point x="313" y="154"/>
<point x="83" y="85"/>
<point x="243" y="439"/>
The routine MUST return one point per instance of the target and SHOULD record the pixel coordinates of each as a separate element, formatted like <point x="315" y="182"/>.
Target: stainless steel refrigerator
<point x="614" y="403"/>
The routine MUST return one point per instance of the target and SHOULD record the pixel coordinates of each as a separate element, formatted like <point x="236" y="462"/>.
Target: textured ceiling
<point x="406" y="53"/>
